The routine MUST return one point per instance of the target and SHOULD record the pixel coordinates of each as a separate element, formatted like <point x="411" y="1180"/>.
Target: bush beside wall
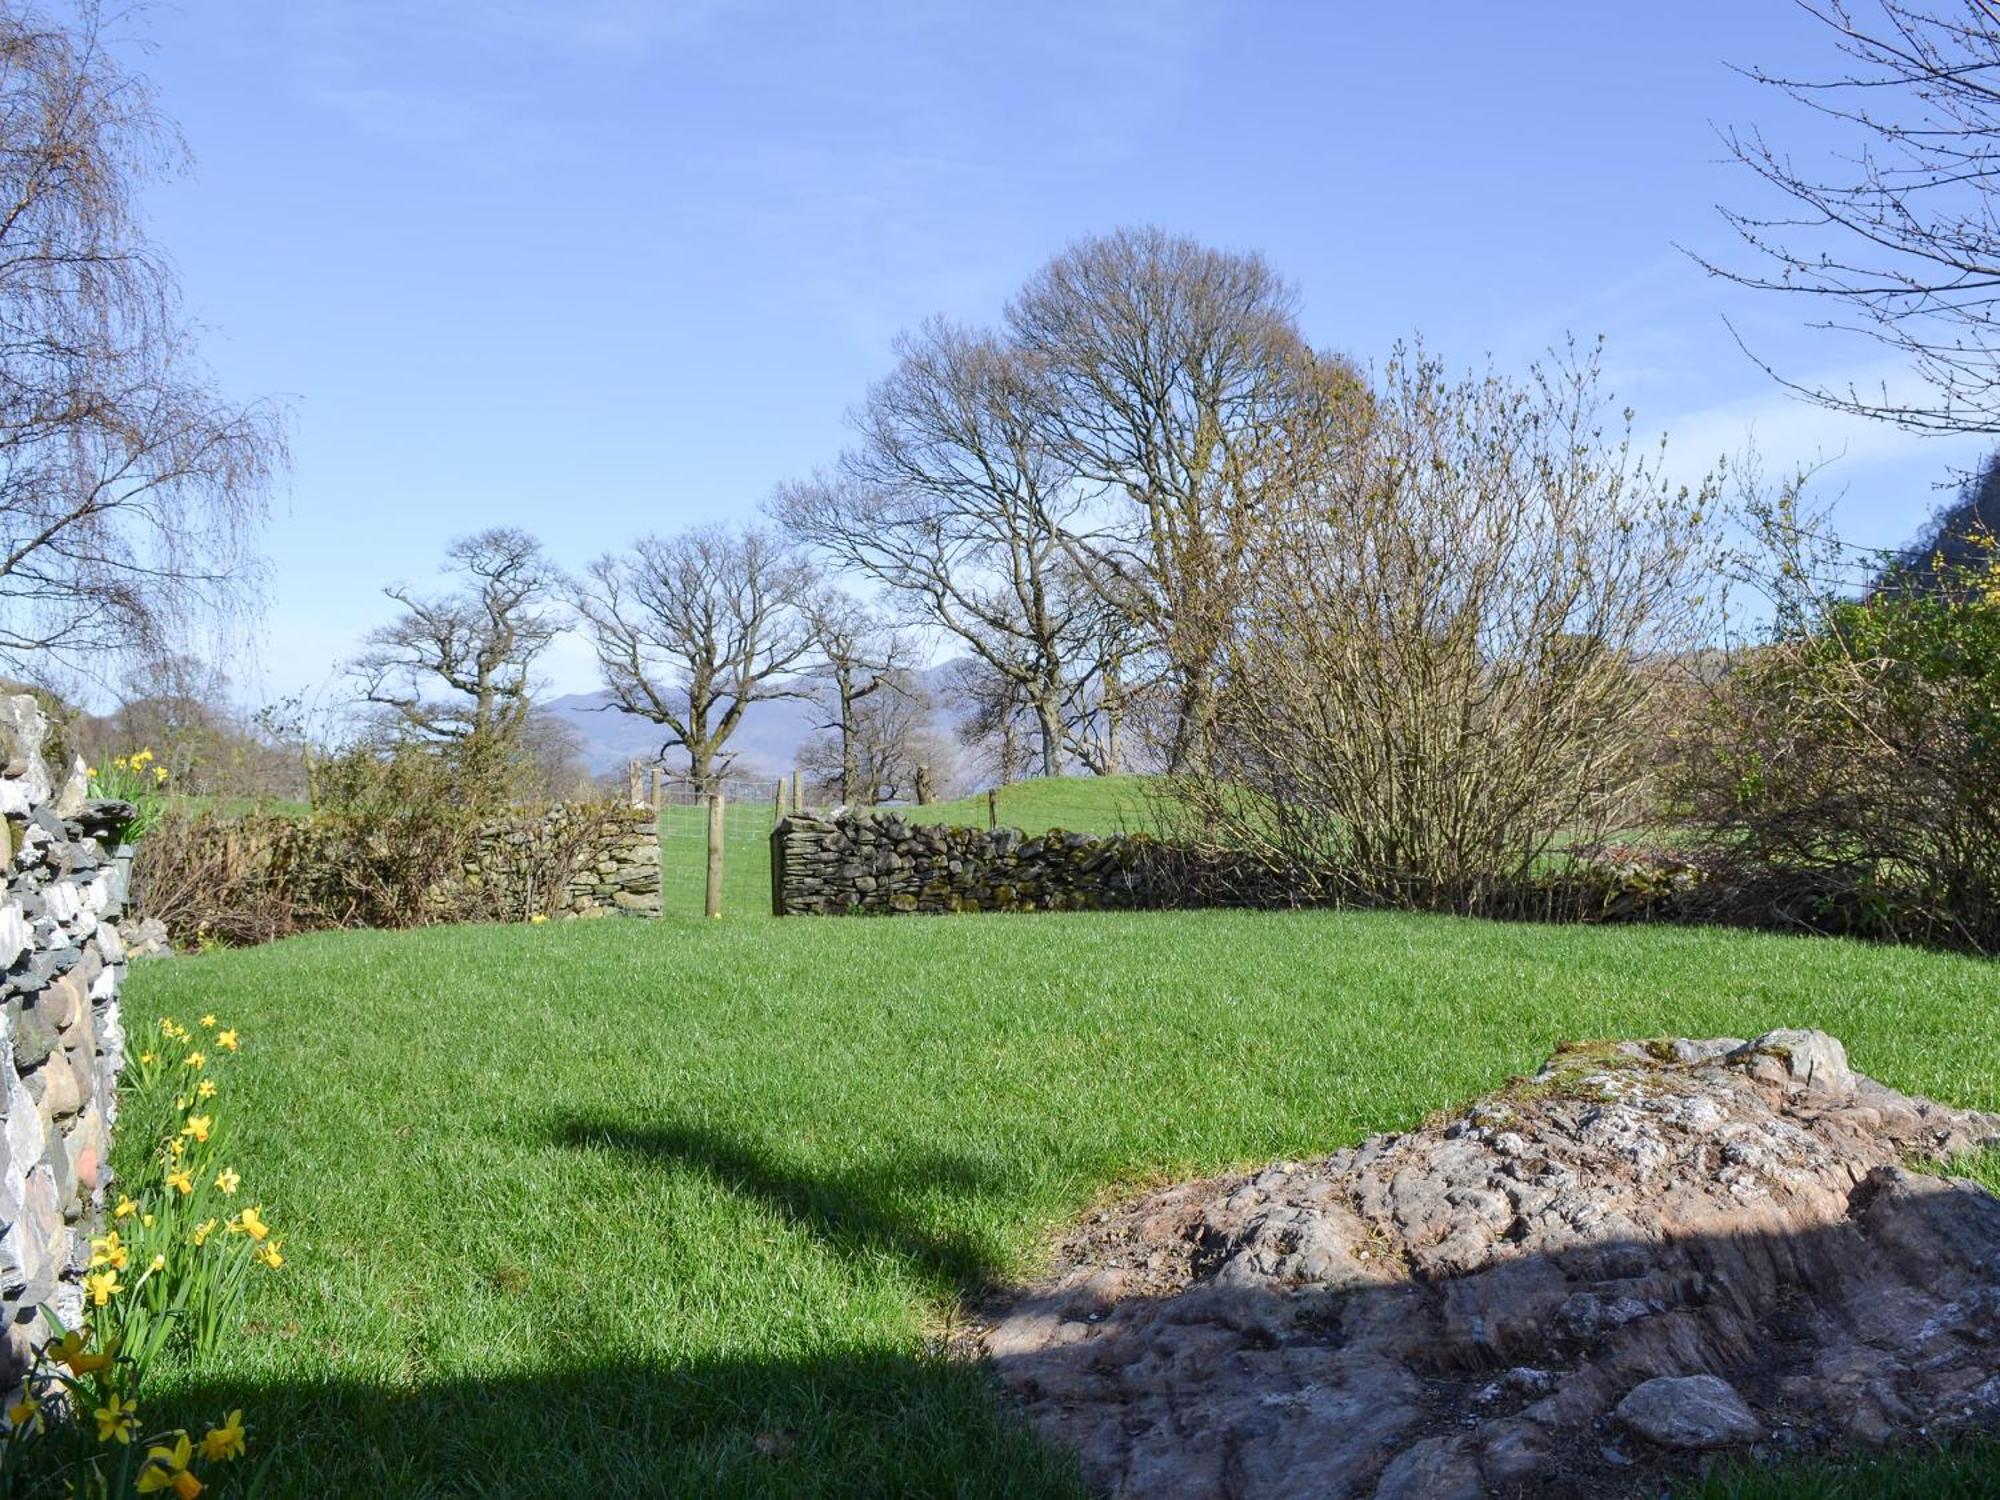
<point x="256" y="878"/>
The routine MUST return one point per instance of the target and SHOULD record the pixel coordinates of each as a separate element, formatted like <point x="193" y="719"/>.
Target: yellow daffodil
<point x="226" y="1040"/>
<point x="106" y="1250"/>
<point x="205" y="1089"/>
<point x="101" y="1286"/>
<point x="268" y="1253"/>
<point x="159" y="1263"/>
<point x="117" y="1420"/>
<point x="125" y="1209"/>
<point x="225" y="1443"/>
<point x="167" y="1469"/>
<point x="181" y="1101"/>
<point x="147" y="1220"/>
<point x="69" y="1347"/>
<point x="167" y="1027"/>
<point x="193" y="1060"/>
<point x="73" y="1350"/>
<point x="228" y="1181"/>
<point x="203" y="1230"/>
<point x="208" y="1023"/>
<point x="159" y="776"/>
<point x="250" y="1222"/>
<point x="147" y="1059"/>
<point x="25" y="1411"/>
<point x="198" y="1126"/>
<point x="538" y="918"/>
<point x="177" y="1147"/>
<point x="180" y="1181"/>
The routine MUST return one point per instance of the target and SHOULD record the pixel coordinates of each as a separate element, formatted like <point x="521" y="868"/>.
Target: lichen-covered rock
<point x="1647" y="1251"/>
<point x="1689" y="1411"/>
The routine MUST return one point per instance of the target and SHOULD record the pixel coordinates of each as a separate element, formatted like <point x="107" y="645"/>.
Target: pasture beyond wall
<point x="61" y="1048"/>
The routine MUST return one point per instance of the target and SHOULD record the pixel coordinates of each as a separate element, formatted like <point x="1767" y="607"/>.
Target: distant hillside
<point x="766" y="744"/>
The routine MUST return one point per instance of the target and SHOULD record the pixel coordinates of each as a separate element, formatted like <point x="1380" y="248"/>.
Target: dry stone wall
<point x="573" y="860"/>
<point x="62" y="1046"/>
<point x="881" y="863"/>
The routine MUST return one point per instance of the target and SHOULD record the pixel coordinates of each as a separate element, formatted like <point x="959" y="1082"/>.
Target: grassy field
<point x="682" y="1207"/>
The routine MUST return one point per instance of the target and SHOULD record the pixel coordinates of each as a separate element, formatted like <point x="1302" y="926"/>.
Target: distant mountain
<point x="766" y="743"/>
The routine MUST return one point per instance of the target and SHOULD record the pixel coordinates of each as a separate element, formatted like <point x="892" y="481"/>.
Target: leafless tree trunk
<point x="457" y="669"/>
<point x="1171" y="380"/>
<point x="951" y="501"/>
<point x="129" y="491"/>
<point x="691" y="630"/>
<point x="859" y="655"/>
<point x="1897" y="237"/>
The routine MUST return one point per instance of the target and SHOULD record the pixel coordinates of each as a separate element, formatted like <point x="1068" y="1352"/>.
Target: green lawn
<point x="679" y="1207"/>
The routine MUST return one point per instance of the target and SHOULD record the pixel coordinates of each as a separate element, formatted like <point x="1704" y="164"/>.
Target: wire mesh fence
<point x="751" y="805"/>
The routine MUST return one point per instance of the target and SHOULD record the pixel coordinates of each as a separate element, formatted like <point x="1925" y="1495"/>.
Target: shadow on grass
<point x="863" y="1211"/>
<point x="869" y="1421"/>
<point x="859" y="1424"/>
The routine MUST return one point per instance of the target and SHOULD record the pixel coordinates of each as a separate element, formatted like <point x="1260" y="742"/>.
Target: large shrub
<point x="1845" y="775"/>
<point x="1443" y="676"/>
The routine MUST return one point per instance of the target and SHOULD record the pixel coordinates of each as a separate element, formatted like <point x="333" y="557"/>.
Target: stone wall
<point x="605" y="859"/>
<point x="61" y="1047"/>
<point x="881" y="863"/>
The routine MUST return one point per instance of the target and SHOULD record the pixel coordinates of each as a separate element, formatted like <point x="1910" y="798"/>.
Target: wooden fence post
<point x="659" y="789"/>
<point x="795" y="791"/>
<point x="992" y="808"/>
<point x="778" y="800"/>
<point x="714" y="901"/>
<point x="633" y="785"/>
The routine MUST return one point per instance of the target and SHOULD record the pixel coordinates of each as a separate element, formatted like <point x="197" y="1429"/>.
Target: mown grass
<point x="681" y="1207"/>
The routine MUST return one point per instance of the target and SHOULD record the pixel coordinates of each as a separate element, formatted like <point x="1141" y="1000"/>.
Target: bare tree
<point x="1171" y="380"/>
<point x="1445" y="671"/>
<point x="888" y="752"/>
<point x="951" y="500"/>
<point x="129" y="490"/>
<point x="690" y="630"/>
<point x="1896" y="236"/>
<point x="997" y="723"/>
<point x="457" y="669"/>
<point x="859" y="655"/>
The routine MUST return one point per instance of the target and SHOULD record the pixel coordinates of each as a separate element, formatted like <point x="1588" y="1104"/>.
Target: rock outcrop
<point x="1648" y="1253"/>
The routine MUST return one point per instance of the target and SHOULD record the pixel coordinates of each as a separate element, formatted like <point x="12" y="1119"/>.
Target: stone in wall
<point x="61" y="1046"/>
<point x="571" y="860"/>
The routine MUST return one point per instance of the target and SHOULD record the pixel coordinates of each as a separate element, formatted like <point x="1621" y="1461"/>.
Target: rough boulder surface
<point x="1646" y="1255"/>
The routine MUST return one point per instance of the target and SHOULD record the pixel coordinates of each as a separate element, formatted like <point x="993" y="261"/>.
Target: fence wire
<point x="750" y="806"/>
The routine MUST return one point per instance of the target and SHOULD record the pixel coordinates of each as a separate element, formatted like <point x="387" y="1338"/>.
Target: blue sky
<point x="604" y="267"/>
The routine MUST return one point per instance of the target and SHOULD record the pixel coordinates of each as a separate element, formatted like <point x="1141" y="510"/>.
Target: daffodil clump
<point x="169" y="1270"/>
<point x="74" y="1427"/>
<point x="139" y="779"/>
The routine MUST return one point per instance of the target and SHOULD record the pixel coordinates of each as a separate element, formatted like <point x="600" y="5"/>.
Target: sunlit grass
<point x="672" y="1208"/>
